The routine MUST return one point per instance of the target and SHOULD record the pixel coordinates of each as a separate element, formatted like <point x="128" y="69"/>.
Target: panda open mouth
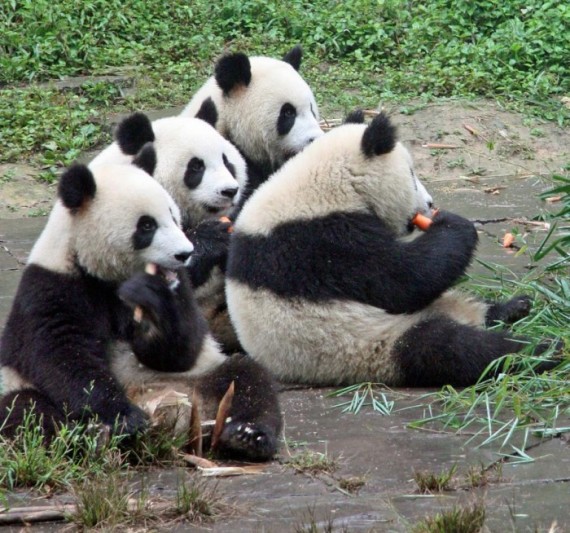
<point x="170" y="276"/>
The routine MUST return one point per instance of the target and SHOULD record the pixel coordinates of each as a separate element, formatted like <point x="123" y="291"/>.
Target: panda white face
<point x="201" y="170"/>
<point x="276" y="116"/>
<point x="111" y="222"/>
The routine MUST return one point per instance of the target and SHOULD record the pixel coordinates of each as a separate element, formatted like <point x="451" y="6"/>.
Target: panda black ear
<point x="208" y="112"/>
<point x="294" y="56"/>
<point x="379" y="137"/>
<point x="146" y="159"/>
<point x="133" y="133"/>
<point x="76" y="186"/>
<point x="232" y="71"/>
<point x="354" y="117"/>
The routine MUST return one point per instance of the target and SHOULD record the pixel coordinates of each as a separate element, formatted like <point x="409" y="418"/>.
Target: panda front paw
<point x="131" y="423"/>
<point x="150" y="293"/>
<point x="247" y="440"/>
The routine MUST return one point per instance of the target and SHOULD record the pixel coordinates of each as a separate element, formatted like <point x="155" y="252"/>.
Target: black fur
<point x="208" y="112"/>
<point x="211" y="240"/>
<point x="355" y="117"/>
<point x="233" y="70"/>
<point x="195" y="170"/>
<point x="354" y="256"/>
<point x="255" y="400"/>
<point x="133" y="133"/>
<point x="231" y="168"/>
<point x="57" y="337"/>
<point x="294" y="56"/>
<point x="144" y="233"/>
<point x="76" y="186"/>
<point x="440" y="351"/>
<point x="379" y="137"/>
<point x="508" y="312"/>
<point x="286" y="119"/>
<point x="146" y="159"/>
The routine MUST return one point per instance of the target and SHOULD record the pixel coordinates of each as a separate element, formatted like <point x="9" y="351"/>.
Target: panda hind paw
<point x="247" y="441"/>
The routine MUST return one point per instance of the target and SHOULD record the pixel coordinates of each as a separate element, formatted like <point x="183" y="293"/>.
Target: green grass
<point x="356" y="55"/>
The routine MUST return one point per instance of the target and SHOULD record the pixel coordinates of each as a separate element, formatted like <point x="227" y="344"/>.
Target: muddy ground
<point x="491" y="167"/>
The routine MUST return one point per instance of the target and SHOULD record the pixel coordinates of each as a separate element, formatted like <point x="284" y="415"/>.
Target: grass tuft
<point x="429" y="482"/>
<point x="469" y="519"/>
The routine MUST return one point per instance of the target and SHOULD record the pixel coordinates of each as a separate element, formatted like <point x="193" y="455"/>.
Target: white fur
<point x="177" y="141"/>
<point x="248" y="117"/>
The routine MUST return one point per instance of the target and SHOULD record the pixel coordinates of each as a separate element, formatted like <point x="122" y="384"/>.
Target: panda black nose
<point x="182" y="257"/>
<point x="230" y="192"/>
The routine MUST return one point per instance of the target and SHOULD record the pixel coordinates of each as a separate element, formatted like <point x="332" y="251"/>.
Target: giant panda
<point x="325" y="285"/>
<point x="264" y="107"/>
<point x="205" y="174"/>
<point x="62" y="349"/>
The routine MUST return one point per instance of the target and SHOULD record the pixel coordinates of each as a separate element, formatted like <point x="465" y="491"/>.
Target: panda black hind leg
<point x="440" y="351"/>
<point x="17" y="407"/>
<point x="254" y="423"/>
<point x="508" y="312"/>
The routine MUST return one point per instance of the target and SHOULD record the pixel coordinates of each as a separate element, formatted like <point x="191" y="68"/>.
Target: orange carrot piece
<point x="508" y="240"/>
<point x="421" y="221"/>
<point x="228" y="221"/>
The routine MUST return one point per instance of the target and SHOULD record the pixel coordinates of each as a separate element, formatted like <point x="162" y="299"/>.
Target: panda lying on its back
<point x="264" y="107"/>
<point x="323" y="290"/>
<point x="75" y="304"/>
<point x="205" y="174"/>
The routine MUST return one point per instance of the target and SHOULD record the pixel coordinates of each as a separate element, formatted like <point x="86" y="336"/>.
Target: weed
<point x="105" y="501"/>
<point x="74" y="454"/>
<point x="311" y="524"/>
<point x="481" y="476"/>
<point x="468" y="519"/>
<point x="428" y="482"/>
<point x="312" y="462"/>
<point x="198" y="500"/>
<point x="352" y="484"/>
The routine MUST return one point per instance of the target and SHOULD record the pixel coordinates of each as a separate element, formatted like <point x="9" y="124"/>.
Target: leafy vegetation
<point x="372" y="51"/>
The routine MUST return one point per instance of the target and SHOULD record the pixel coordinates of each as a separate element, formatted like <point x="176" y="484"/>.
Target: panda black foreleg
<point x="440" y="351"/>
<point x="508" y="312"/>
<point x="254" y="423"/>
<point x="170" y="336"/>
<point x="17" y="407"/>
<point x="211" y="240"/>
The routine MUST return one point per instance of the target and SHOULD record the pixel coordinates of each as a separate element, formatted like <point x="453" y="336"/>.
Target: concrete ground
<point x="381" y="453"/>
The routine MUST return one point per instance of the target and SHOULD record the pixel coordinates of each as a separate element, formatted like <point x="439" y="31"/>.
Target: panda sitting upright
<point x="74" y="307"/>
<point x="322" y="288"/>
<point x="264" y="107"/>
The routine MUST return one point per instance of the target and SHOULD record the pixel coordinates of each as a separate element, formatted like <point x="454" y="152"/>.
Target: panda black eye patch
<point x="231" y="168"/>
<point x="286" y="119"/>
<point x="194" y="172"/>
<point x="143" y="235"/>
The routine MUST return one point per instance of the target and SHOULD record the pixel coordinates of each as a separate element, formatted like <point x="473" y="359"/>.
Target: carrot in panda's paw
<point x="151" y="269"/>
<point x="423" y="222"/>
<point x="227" y="221"/>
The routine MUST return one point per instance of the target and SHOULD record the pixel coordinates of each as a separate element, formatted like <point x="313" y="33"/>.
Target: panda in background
<point x="205" y="174"/>
<point x="323" y="289"/>
<point x="264" y="107"/>
<point x="74" y="309"/>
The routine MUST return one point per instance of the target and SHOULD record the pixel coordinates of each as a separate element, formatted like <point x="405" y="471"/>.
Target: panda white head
<point x="265" y="107"/>
<point x="110" y="222"/>
<point x="380" y="170"/>
<point x="201" y="170"/>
